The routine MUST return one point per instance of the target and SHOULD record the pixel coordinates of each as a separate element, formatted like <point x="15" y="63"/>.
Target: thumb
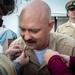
<point x="23" y="53"/>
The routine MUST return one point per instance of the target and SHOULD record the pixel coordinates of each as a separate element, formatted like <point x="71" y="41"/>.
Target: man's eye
<point x="22" y="29"/>
<point x="34" y="31"/>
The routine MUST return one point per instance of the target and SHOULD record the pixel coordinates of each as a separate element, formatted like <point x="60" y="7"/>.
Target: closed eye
<point x="22" y="29"/>
<point x="34" y="30"/>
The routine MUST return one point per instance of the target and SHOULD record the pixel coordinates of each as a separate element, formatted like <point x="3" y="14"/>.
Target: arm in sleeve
<point x="57" y="67"/>
<point x="72" y="63"/>
<point x="17" y="66"/>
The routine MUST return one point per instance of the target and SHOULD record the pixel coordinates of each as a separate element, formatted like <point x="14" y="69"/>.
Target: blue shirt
<point x="17" y="66"/>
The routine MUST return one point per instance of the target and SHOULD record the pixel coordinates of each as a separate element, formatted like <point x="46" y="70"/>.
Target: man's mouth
<point x="29" y="44"/>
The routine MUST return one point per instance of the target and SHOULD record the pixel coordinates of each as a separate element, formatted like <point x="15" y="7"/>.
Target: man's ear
<point x="51" y="25"/>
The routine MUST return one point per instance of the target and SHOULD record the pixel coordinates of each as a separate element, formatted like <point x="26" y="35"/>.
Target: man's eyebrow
<point x="20" y="26"/>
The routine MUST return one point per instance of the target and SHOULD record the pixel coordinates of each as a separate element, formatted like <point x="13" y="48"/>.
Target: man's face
<point x="35" y="32"/>
<point x="71" y="13"/>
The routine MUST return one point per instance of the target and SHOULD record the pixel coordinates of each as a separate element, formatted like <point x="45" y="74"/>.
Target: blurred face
<point x="71" y="13"/>
<point x="35" y="32"/>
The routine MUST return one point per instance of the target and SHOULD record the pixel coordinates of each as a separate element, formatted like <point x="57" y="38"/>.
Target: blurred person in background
<point x="68" y="28"/>
<point x="6" y="7"/>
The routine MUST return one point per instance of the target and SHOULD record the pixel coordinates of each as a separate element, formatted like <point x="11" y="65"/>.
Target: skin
<point x="50" y="53"/>
<point x="21" y="60"/>
<point x="14" y="50"/>
<point x="35" y="25"/>
<point x="71" y="14"/>
<point x="66" y="58"/>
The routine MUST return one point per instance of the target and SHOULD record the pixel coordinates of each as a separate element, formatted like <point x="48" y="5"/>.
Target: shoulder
<point x="18" y="41"/>
<point x="63" y="43"/>
<point x="63" y="25"/>
<point x="63" y="39"/>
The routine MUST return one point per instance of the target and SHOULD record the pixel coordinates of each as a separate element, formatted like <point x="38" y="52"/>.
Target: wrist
<point x="17" y="64"/>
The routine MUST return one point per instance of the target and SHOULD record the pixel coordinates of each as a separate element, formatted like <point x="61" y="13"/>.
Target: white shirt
<point x="40" y="54"/>
<point x="73" y="24"/>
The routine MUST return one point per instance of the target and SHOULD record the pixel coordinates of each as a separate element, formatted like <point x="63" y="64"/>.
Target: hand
<point x="22" y="59"/>
<point x="13" y="51"/>
<point x="65" y="58"/>
<point x="48" y="54"/>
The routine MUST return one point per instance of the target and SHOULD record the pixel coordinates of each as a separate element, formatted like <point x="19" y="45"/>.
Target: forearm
<point x="57" y="67"/>
<point x="17" y="66"/>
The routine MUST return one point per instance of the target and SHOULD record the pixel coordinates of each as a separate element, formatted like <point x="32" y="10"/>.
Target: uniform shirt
<point x="67" y="29"/>
<point x="59" y="42"/>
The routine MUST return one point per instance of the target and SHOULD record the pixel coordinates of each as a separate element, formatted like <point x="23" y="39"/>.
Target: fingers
<point x="13" y="50"/>
<point x="65" y="57"/>
<point x="23" y="59"/>
<point x="27" y="59"/>
<point x="51" y="52"/>
<point x="48" y="54"/>
<point x="16" y="46"/>
<point x="23" y="54"/>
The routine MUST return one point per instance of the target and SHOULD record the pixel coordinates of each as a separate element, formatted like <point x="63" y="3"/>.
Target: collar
<point x="33" y="58"/>
<point x="68" y="24"/>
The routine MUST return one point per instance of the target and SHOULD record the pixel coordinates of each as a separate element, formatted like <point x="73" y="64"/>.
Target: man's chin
<point x="30" y="48"/>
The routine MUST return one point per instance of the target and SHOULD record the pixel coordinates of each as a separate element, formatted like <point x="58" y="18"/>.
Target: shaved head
<point x="38" y="10"/>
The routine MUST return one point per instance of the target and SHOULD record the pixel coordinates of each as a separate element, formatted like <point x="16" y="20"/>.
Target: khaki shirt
<point x="66" y="28"/>
<point x="59" y="42"/>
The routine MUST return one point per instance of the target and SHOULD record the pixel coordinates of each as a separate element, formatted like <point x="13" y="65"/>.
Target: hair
<point x="6" y="66"/>
<point x="6" y="7"/>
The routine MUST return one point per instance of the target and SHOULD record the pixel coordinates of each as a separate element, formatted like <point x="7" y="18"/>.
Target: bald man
<point x="36" y="38"/>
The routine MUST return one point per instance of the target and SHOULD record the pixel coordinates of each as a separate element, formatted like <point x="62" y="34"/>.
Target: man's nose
<point x="27" y="35"/>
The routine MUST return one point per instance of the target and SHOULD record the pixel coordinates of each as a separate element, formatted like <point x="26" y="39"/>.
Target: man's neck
<point x="72" y="20"/>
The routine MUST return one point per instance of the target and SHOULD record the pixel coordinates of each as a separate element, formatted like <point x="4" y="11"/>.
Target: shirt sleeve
<point x="17" y="66"/>
<point x="72" y="63"/>
<point x="57" y="67"/>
